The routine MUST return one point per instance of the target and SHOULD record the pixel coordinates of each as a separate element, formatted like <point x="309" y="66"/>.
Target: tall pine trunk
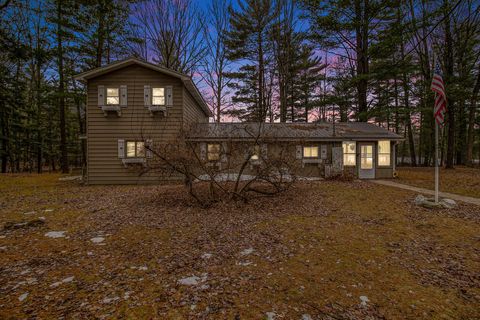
<point x="362" y="57"/>
<point x="450" y="103"/>
<point x="61" y="91"/>
<point x="471" y="121"/>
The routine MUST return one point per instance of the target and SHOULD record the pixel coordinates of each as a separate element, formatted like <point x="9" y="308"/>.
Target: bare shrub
<point x="237" y="168"/>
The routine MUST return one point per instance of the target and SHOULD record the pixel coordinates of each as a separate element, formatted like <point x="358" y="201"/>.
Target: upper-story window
<point x="113" y="96"/>
<point x="310" y="152"/>
<point x="135" y="149"/>
<point x="158" y="96"/>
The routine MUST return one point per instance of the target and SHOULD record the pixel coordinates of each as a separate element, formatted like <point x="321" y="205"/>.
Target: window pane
<point x="349" y="160"/>
<point x="113" y="100"/>
<point x="384" y="146"/>
<point x="158" y="101"/>
<point x="383" y="159"/>
<point x="156" y="92"/>
<point x="256" y="153"/>
<point x="140" y="149"/>
<point x="349" y="153"/>
<point x="213" y="152"/>
<point x="310" y="152"/>
<point x="112" y="92"/>
<point x="130" y="149"/>
<point x="366" y="156"/>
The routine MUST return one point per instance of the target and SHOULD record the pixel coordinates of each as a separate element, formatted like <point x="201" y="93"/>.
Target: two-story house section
<point x="129" y="104"/>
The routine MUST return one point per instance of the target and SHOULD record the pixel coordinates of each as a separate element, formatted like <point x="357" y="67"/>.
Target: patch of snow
<point x="89" y="253"/>
<point x="242" y="263"/>
<point x="42" y="218"/>
<point x="190" y="281"/>
<point x="30" y="212"/>
<point x="246" y="252"/>
<point x="70" y="178"/>
<point x="110" y="300"/>
<point x="206" y="256"/>
<point x="364" y="300"/>
<point x="271" y="315"/>
<point x="55" y="234"/>
<point x="66" y="280"/>
<point x="448" y="203"/>
<point x="48" y="210"/>
<point x="141" y="268"/>
<point x="193" y="280"/>
<point x="97" y="239"/>
<point x="23" y="297"/>
<point x="306" y="317"/>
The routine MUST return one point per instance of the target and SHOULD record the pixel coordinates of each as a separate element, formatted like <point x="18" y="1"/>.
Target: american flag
<point x="438" y="87"/>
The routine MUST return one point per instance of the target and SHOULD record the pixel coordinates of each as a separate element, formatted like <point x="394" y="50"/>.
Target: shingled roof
<point x="291" y="131"/>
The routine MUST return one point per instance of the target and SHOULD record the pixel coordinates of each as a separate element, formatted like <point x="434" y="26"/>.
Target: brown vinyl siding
<point x="191" y="112"/>
<point x="135" y="123"/>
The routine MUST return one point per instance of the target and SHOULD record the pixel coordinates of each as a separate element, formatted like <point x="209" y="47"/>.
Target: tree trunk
<point x="261" y="111"/>
<point x="362" y="57"/>
<point x="61" y="91"/>
<point x="471" y="121"/>
<point x="450" y="103"/>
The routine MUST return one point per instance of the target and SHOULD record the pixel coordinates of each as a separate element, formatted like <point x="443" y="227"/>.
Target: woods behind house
<point x="254" y="60"/>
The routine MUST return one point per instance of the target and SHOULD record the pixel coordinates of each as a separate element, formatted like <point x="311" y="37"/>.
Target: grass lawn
<point x="461" y="180"/>
<point x="312" y="251"/>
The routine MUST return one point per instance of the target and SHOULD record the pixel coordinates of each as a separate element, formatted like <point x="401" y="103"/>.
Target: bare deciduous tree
<point x="173" y="30"/>
<point x="216" y="63"/>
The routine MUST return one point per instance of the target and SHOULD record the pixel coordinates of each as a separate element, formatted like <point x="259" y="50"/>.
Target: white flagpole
<point x="436" y="161"/>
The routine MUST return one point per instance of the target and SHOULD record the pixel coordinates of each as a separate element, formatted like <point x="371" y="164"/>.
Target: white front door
<point x="367" y="161"/>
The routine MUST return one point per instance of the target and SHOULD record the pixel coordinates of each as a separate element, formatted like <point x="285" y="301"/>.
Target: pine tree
<point x="248" y="41"/>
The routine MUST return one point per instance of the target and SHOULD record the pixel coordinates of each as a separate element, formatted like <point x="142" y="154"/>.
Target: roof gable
<point x="187" y="80"/>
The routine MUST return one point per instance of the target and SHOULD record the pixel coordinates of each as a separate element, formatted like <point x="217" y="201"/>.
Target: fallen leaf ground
<point x="461" y="180"/>
<point x="313" y="251"/>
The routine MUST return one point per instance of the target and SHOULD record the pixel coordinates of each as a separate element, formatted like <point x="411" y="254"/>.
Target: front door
<point x="367" y="161"/>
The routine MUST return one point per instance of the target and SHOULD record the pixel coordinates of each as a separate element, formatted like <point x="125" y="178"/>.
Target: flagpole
<point x="436" y="161"/>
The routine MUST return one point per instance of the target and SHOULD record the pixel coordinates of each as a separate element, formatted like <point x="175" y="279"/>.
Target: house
<point x="132" y="104"/>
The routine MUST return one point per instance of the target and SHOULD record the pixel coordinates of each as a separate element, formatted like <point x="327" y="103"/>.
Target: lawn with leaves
<point x="323" y="250"/>
<point x="461" y="180"/>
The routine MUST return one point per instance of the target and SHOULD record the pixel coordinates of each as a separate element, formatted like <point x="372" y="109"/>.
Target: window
<point x="310" y="152"/>
<point x="213" y="152"/>
<point x="135" y="149"/>
<point x="366" y="156"/>
<point x="113" y="97"/>
<point x="256" y="153"/>
<point x="349" y="153"/>
<point x="384" y="153"/>
<point x="158" y="96"/>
